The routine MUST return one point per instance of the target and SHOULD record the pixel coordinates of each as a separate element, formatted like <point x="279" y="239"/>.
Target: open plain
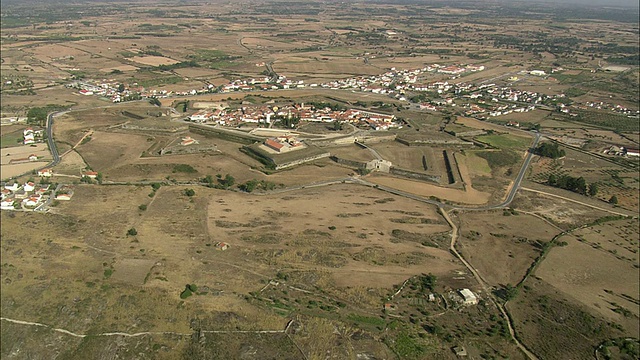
<point x="319" y="180"/>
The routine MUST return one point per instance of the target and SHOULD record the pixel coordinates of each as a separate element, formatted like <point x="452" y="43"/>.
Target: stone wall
<point x="225" y="134"/>
<point x="414" y="175"/>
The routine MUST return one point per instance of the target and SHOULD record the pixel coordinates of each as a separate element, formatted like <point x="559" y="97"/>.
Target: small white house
<point x="45" y="173"/>
<point x="6" y="204"/>
<point x="13" y="187"/>
<point x="31" y="201"/>
<point x="29" y="186"/>
<point x="63" y="197"/>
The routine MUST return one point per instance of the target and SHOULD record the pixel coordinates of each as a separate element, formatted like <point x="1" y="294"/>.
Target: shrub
<point x="132" y="232"/>
<point x="189" y="289"/>
<point x="185" y="293"/>
<point x="142" y="207"/>
<point x="189" y="192"/>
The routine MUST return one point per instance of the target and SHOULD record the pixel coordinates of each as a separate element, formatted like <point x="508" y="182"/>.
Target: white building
<point x="468" y="296"/>
<point x="45" y="173"/>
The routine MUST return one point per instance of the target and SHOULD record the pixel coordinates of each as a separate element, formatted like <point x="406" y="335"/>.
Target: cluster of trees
<point x="550" y="150"/>
<point x="219" y="182"/>
<point x="254" y="184"/>
<point x="38" y="115"/>
<point x="180" y="65"/>
<point x="287" y="121"/>
<point x="577" y="185"/>
<point x="428" y="281"/>
<point x="419" y="98"/>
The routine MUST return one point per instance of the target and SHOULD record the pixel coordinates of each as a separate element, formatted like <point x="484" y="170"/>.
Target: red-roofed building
<point x="90" y="174"/>
<point x="277" y="146"/>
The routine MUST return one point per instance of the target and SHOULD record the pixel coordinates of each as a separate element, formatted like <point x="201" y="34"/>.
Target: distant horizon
<point x="602" y="3"/>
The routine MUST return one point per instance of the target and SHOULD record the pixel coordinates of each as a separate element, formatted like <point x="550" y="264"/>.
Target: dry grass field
<point x="19" y="156"/>
<point x="502" y="247"/>
<point x="368" y="233"/>
<point x="582" y="270"/>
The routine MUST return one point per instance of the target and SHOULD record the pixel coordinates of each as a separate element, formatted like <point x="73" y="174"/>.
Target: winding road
<point x="50" y="141"/>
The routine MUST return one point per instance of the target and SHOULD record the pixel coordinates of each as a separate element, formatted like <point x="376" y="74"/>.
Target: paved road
<point x="50" y="142"/>
<point x="521" y="174"/>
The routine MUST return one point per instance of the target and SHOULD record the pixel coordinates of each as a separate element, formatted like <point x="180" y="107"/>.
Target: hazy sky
<point x="626" y="3"/>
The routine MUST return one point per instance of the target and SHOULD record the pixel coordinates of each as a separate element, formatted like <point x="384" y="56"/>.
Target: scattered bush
<point x="189" y="192"/>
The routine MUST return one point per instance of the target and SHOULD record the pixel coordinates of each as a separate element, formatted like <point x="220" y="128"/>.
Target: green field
<point x="476" y="164"/>
<point x="11" y="139"/>
<point x="505" y="141"/>
<point x="609" y="121"/>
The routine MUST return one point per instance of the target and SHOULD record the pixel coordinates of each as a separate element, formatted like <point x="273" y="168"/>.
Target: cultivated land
<point x="180" y="242"/>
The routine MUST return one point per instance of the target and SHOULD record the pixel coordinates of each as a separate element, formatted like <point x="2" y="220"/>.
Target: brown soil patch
<point x="470" y="196"/>
<point x="154" y="60"/>
<point x="502" y="247"/>
<point x="132" y="271"/>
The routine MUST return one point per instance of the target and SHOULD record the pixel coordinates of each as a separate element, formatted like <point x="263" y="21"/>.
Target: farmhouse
<point x="632" y="152"/>
<point x="222" y="246"/>
<point x="45" y="172"/>
<point x="90" y="174"/>
<point x="468" y="296"/>
<point x="63" y="197"/>
<point x="33" y="157"/>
